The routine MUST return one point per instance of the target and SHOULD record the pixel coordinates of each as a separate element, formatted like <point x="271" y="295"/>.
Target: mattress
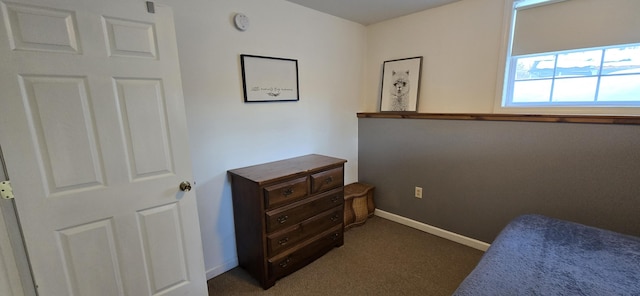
<point x="538" y="255"/>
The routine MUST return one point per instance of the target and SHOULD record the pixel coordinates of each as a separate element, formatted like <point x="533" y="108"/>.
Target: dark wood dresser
<point x="287" y="213"/>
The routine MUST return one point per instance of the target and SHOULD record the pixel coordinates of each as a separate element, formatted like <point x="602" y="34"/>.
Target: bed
<point x="538" y="255"/>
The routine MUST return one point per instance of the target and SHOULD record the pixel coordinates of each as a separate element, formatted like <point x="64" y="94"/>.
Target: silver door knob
<point x="185" y="186"/>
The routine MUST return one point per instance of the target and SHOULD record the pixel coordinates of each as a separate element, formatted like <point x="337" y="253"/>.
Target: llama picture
<point x="400" y="85"/>
<point x="400" y="90"/>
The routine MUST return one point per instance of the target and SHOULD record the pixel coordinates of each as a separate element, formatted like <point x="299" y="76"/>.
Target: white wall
<point x="460" y="43"/>
<point x="226" y="133"/>
<point x="463" y="45"/>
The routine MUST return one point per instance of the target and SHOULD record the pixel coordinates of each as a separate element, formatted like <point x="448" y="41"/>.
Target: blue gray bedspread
<point x="537" y="255"/>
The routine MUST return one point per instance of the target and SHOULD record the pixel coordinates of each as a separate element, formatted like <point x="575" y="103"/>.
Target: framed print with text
<point x="269" y="79"/>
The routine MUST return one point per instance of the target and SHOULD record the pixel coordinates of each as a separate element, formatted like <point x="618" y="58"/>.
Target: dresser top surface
<point x="286" y="167"/>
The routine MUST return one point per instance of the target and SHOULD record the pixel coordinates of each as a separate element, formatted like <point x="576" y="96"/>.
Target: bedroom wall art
<point x="401" y="84"/>
<point x="269" y="79"/>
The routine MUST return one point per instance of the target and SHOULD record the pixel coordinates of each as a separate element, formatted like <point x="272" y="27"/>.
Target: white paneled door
<point x="93" y="129"/>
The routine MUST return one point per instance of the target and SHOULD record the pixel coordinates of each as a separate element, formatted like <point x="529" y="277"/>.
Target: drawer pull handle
<point x="285" y="263"/>
<point x="287" y="191"/>
<point x="334" y="198"/>
<point x="283" y="241"/>
<point x="283" y="219"/>
<point x="334" y="218"/>
<point x="335" y="236"/>
<point x="328" y="180"/>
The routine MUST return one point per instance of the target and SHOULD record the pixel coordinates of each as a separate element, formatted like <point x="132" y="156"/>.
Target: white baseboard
<point x="220" y="269"/>
<point x="467" y="241"/>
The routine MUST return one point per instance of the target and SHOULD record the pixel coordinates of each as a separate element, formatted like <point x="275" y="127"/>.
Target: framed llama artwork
<point x="400" y="85"/>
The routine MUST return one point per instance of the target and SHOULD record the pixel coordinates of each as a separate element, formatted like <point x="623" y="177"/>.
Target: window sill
<point x="602" y="119"/>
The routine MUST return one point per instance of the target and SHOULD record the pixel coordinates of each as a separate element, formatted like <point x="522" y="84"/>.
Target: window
<point x="608" y="76"/>
<point x="573" y="53"/>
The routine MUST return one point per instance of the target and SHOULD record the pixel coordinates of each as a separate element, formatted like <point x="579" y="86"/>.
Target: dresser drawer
<point x="285" y="192"/>
<point x="283" y="240"/>
<point x="303" y="254"/>
<point x="297" y="212"/>
<point x="326" y="180"/>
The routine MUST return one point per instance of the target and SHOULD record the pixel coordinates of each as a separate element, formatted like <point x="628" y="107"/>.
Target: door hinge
<point x="151" y="8"/>
<point x="5" y="190"/>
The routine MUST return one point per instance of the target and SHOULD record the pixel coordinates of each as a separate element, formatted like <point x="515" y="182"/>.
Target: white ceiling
<point x="368" y="12"/>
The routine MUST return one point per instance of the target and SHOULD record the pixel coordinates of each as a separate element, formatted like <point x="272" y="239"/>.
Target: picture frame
<point x="401" y="85"/>
<point x="269" y="79"/>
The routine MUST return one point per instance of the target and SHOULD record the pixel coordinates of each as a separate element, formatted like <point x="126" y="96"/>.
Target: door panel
<point x="142" y="107"/>
<point x="41" y="28"/>
<point x="165" y="262"/>
<point x="90" y="259"/>
<point x="61" y="120"/>
<point x="130" y="38"/>
<point x="94" y="133"/>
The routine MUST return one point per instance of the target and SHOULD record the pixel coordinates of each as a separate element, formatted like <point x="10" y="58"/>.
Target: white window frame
<point x="502" y="81"/>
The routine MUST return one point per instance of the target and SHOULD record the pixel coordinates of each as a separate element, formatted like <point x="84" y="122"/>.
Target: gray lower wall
<point x="478" y="175"/>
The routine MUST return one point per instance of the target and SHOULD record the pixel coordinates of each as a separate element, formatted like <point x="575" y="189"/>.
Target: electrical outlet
<point x="418" y="192"/>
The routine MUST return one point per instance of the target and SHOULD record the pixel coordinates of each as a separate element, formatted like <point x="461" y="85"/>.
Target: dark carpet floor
<point x="380" y="257"/>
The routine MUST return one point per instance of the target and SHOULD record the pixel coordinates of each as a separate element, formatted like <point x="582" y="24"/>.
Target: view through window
<point x="605" y="76"/>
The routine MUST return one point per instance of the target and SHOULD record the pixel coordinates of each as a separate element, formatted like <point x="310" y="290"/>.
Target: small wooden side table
<point x="358" y="204"/>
